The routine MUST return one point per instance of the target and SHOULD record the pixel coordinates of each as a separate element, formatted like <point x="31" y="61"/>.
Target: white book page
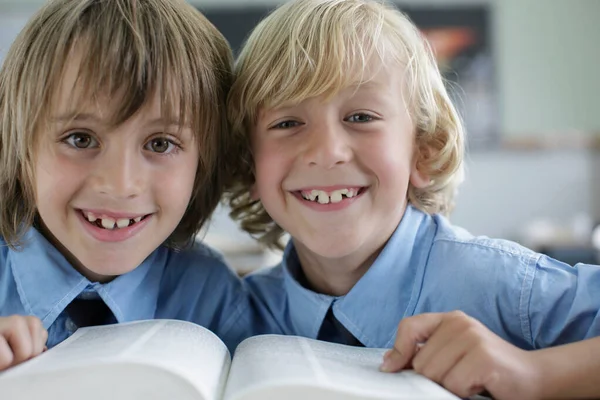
<point x="187" y="349"/>
<point x="264" y="365"/>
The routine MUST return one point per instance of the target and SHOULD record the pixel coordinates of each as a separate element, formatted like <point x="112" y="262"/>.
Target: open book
<point x="165" y="359"/>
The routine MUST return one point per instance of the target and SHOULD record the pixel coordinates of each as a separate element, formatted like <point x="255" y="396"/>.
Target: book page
<point x="188" y="350"/>
<point x="292" y="367"/>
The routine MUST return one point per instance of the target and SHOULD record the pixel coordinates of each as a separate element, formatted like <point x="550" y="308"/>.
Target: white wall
<point x="548" y="58"/>
<point x="10" y="25"/>
<point x="505" y="190"/>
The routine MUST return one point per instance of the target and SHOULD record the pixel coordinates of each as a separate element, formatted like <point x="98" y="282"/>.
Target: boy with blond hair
<point x="112" y="125"/>
<point x="353" y="147"/>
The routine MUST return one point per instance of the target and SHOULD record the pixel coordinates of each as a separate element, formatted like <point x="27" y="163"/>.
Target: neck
<point x="75" y="263"/>
<point x="334" y="276"/>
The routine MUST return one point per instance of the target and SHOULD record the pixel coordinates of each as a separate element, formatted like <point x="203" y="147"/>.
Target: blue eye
<point x="360" y="118"/>
<point x="81" y="140"/>
<point x="160" y="145"/>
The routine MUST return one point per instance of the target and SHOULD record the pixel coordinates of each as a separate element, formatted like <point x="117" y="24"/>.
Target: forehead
<point x="80" y="92"/>
<point x="374" y="78"/>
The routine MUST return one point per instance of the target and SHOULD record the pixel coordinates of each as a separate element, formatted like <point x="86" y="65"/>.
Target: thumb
<point x="394" y="361"/>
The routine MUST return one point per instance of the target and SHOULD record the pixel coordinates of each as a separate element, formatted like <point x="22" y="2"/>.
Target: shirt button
<point x="70" y="325"/>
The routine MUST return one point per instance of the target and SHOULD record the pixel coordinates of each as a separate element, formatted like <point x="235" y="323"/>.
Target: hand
<point x="462" y="355"/>
<point x="21" y="338"/>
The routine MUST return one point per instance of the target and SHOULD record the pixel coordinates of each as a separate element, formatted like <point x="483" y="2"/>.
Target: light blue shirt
<point x="428" y="265"/>
<point x="193" y="285"/>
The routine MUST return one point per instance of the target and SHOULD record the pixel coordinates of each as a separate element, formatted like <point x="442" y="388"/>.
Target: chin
<point x="334" y="249"/>
<point x="109" y="267"/>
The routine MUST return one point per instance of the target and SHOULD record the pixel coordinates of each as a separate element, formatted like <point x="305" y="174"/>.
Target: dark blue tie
<point x="90" y="312"/>
<point x="332" y="330"/>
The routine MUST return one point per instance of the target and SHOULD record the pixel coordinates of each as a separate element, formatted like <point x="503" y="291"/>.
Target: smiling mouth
<point x="334" y="196"/>
<point x="108" y="223"/>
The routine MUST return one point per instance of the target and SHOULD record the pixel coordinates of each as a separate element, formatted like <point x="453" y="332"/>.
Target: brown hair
<point x="308" y="48"/>
<point x="133" y="49"/>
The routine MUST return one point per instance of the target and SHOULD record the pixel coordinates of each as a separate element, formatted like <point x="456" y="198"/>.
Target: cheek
<point x="54" y="175"/>
<point x="391" y="160"/>
<point x="270" y="165"/>
<point x="176" y="184"/>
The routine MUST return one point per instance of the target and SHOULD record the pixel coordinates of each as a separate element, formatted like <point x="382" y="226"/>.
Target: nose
<point x="119" y="174"/>
<point x="327" y="146"/>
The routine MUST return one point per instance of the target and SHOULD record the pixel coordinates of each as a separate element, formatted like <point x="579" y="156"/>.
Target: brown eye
<point x="286" y="125"/>
<point x="360" y="118"/>
<point x="160" y="145"/>
<point x="81" y="140"/>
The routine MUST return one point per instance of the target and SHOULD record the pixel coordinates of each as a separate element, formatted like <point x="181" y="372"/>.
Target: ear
<point x="419" y="178"/>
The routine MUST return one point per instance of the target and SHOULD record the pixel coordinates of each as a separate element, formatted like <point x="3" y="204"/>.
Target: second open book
<point x="165" y="359"/>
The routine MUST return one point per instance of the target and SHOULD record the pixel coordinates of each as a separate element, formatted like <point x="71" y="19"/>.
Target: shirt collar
<point x="47" y="283"/>
<point x="307" y="308"/>
<point x="375" y="305"/>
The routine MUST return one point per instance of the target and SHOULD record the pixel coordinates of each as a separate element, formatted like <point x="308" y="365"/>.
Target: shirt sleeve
<point x="563" y="303"/>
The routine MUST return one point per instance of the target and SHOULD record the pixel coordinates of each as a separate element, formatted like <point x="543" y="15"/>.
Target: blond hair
<point x="132" y="50"/>
<point x="309" y="48"/>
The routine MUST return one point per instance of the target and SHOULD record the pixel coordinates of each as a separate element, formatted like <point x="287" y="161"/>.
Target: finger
<point x="6" y="354"/>
<point x="437" y="367"/>
<point x="38" y="334"/>
<point x="411" y="332"/>
<point x="19" y="339"/>
<point x="467" y="377"/>
<point x="393" y="361"/>
<point x="441" y="352"/>
<point x="393" y="353"/>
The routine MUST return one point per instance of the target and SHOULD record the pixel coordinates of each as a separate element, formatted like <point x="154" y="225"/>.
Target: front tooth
<point x="108" y="223"/>
<point x="336" y="196"/>
<point x="123" y="223"/>
<point x="91" y="217"/>
<point x="323" y="197"/>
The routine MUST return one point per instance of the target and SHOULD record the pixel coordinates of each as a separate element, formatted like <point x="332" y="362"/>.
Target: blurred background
<point x="524" y="74"/>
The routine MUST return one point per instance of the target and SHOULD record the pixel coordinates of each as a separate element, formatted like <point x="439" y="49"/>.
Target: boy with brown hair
<point x="112" y="121"/>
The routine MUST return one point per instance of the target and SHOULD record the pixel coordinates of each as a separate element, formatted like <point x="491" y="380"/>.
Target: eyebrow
<point x="73" y="116"/>
<point x="88" y="117"/>
<point x="368" y="86"/>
